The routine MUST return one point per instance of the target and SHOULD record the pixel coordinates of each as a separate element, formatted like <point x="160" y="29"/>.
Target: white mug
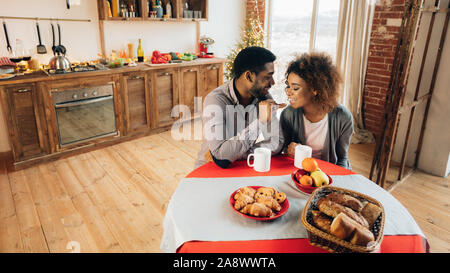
<point x="301" y="152"/>
<point x="261" y="159"/>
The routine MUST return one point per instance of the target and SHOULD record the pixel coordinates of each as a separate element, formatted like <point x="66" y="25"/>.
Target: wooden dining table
<point x="281" y="166"/>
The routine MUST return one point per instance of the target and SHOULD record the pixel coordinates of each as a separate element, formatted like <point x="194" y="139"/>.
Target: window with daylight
<point x="296" y="27"/>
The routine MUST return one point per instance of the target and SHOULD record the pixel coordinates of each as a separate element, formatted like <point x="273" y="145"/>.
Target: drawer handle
<point x="137" y="78"/>
<point x="191" y="70"/>
<point x="23" y="90"/>
<point x="164" y="74"/>
<point x="213" y="67"/>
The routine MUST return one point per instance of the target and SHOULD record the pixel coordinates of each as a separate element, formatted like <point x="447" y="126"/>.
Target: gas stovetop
<point x="76" y="69"/>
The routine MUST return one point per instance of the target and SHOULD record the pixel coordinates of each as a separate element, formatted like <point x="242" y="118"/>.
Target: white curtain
<point x="355" y="23"/>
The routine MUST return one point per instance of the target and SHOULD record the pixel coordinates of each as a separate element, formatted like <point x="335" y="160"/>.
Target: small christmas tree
<point x="253" y="35"/>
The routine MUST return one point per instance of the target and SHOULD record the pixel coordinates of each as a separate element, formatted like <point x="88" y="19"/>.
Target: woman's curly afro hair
<point x="321" y="75"/>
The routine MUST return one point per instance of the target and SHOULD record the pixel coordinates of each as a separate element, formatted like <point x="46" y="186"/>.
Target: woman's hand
<point x="291" y="149"/>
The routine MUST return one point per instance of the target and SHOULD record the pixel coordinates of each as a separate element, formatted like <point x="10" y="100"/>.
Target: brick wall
<point x="257" y="7"/>
<point x="383" y="41"/>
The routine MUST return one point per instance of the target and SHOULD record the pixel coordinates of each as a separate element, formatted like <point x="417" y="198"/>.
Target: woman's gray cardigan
<point x="337" y="142"/>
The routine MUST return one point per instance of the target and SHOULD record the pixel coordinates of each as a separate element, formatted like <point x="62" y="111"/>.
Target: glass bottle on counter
<point x="149" y="7"/>
<point x="124" y="10"/>
<point x="140" y="52"/>
<point x="132" y="11"/>
<point x="108" y="6"/>
<point x="159" y="9"/>
<point x="115" y="8"/>
<point x="169" y="9"/>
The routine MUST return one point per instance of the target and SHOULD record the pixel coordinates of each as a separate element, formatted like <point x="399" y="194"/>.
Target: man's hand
<point x="268" y="108"/>
<point x="291" y="149"/>
<point x="208" y="157"/>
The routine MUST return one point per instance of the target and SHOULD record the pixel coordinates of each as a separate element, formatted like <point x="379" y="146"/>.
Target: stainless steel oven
<point x="85" y="114"/>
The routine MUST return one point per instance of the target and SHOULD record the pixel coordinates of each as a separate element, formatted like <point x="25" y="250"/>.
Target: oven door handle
<point x="82" y="102"/>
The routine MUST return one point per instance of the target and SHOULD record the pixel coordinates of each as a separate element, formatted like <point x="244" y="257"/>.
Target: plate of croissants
<point x="259" y="203"/>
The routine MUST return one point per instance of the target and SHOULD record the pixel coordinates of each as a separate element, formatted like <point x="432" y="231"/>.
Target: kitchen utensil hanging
<point x="54" y="47"/>
<point x="8" y="45"/>
<point x="40" y="47"/>
<point x="61" y="47"/>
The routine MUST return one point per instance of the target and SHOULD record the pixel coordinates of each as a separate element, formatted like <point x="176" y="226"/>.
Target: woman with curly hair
<point x="314" y="117"/>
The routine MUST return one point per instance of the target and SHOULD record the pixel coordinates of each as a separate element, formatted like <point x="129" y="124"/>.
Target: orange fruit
<point x="310" y="164"/>
<point x="306" y="180"/>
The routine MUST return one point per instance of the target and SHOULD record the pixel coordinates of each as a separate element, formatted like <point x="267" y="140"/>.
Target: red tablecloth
<point x="282" y="165"/>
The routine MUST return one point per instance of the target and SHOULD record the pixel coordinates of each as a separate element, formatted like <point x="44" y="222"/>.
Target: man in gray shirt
<point x="239" y="116"/>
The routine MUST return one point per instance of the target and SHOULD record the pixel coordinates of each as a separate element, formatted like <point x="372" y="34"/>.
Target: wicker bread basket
<point x="330" y="242"/>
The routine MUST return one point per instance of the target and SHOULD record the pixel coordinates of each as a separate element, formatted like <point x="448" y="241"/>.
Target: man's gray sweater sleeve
<point x="223" y="149"/>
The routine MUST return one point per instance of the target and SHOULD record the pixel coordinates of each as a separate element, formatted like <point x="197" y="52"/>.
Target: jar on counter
<point x="33" y="64"/>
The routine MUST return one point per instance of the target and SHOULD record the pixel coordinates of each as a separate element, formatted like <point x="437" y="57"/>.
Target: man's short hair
<point x="252" y="58"/>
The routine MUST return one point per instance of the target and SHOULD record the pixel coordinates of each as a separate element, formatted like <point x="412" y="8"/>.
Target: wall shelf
<point x="142" y="10"/>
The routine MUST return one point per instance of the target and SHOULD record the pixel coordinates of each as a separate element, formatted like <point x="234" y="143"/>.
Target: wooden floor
<point x="114" y="199"/>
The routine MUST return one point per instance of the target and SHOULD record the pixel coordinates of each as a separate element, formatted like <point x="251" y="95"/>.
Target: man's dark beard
<point x="258" y="94"/>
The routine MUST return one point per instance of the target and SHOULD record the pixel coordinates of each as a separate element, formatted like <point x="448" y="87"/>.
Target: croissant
<point x="269" y="202"/>
<point x="257" y="209"/>
<point x="239" y="195"/>
<point x="242" y="200"/>
<point x="248" y="191"/>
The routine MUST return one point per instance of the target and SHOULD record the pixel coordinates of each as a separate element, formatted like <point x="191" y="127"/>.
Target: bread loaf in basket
<point x="339" y="228"/>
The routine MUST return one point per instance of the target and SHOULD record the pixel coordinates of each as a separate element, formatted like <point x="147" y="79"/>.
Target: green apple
<point x="320" y="178"/>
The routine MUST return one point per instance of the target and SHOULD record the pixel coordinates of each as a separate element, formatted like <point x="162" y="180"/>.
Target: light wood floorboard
<point x="114" y="199"/>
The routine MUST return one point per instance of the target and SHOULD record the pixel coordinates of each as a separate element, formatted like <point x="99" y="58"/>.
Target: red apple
<point x="299" y="173"/>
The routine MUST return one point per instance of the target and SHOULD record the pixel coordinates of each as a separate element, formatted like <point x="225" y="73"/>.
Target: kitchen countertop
<point x="42" y="76"/>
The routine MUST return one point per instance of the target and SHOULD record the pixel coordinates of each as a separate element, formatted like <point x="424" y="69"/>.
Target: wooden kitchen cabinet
<point x="143" y="100"/>
<point x="213" y="78"/>
<point x="191" y="86"/>
<point x="25" y="120"/>
<point x="164" y="96"/>
<point x="136" y="96"/>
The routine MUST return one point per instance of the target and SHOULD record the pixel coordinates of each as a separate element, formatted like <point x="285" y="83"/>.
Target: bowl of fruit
<point x="119" y="62"/>
<point x="311" y="177"/>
